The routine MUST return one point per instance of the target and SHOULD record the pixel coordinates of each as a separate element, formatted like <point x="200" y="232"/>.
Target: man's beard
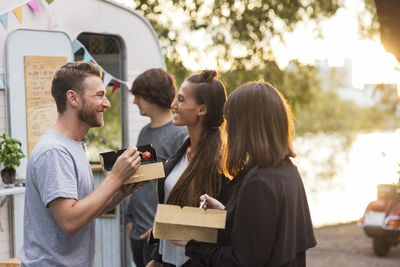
<point x="89" y="116"/>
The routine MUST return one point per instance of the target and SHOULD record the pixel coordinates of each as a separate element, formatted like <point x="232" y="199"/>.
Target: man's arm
<point x="123" y="192"/>
<point x="72" y="215"/>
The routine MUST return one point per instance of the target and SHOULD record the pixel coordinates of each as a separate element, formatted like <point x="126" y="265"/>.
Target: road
<point x="346" y="245"/>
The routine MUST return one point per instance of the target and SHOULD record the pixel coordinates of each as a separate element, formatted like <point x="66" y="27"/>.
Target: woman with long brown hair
<point x="196" y="167"/>
<point x="268" y="220"/>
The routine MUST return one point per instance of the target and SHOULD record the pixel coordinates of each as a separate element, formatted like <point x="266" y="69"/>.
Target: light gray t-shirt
<point x="170" y="253"/>
<point x="57" y="167"/>
<point x="142" y="205"/>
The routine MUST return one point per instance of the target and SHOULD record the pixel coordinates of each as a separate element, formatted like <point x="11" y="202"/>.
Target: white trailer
<point x="121" y="41"/>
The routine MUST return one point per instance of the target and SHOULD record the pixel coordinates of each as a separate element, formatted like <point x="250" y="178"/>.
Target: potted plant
<point x="10" y="155"/>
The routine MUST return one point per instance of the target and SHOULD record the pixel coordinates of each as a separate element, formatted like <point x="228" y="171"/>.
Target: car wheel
<point x="381" y="246"/>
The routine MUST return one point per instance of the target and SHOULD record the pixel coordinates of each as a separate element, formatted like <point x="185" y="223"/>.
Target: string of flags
<point x="107" y="77"/>
<point x="76" y="45"/>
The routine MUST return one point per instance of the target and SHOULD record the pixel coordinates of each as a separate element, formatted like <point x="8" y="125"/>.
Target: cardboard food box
<point x="149" y="168"/>
<point x="176" y="223"/>
<point x="13" y="262"/>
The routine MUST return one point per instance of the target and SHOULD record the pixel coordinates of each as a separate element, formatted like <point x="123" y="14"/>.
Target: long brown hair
<point x="203" y="175"/>
<point x="259" y="126"/>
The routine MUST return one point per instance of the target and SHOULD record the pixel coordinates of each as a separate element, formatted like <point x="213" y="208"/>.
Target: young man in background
<point x="154" y="91"/>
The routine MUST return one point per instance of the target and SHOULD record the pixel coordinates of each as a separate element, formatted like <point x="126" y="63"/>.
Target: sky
<point x="371" y="63"/>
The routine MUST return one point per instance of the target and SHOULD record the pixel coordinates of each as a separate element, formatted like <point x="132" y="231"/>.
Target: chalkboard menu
<point x="41" y="110"/>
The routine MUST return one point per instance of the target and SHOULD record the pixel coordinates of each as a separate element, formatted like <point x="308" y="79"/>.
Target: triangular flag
<point x="53" y="21"/>
<point x="107" y="78"/>
<point x="49" y="1"/>
<point x="128" y="84"/>
<point x="4" y="20"/>
<point x="76" y="45"/>
<point x="115" y="87"/>
<point x="34" y="5"/>
<point x="18" y="13"/>
<point x="86" y="56"/>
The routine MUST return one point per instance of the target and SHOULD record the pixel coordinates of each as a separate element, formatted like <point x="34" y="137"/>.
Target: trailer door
<point x="21" y="45"/>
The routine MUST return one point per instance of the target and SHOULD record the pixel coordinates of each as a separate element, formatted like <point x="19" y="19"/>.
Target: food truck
<point x="36" y="38"/>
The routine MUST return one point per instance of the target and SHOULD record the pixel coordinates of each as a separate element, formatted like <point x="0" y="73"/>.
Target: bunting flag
<point x="128" y="84"/>
<point x="107" y="78"/>
<point x="18" y="13"/>
<point x="76" y="45"/>
<point x="34" y="5"/>
<point x="115" y="87"/>
<point x="87" y="56"/>
<point x="4" y="20"/>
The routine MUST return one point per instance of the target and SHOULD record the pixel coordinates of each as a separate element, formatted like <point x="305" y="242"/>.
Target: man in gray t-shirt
<point x="60" y="199"/>
<point x="57" y="154"/>
<point x="154" y="91"/>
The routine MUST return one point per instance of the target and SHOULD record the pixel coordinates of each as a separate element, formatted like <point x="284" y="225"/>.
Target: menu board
<point x="41" y="110"/>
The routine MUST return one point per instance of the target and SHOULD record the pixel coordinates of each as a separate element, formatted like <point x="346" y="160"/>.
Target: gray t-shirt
<point x="142" y="205"/>
<point x="57" y="167"/>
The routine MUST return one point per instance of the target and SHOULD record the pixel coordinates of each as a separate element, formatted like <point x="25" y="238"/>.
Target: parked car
<point x="381" y="220"/>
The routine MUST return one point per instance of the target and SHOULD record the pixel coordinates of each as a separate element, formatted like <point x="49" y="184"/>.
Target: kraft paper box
<point x="176" y="223"/>
<point x="148" y="170"/>
<point x="13" y="262"/>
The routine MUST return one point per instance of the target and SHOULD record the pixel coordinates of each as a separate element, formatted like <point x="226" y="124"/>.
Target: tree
<point x="239" y="34"/>
<point x="237" y="31"/>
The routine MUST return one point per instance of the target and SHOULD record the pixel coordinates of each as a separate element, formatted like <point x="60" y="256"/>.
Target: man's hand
<point x="154" y="263"/>
<point x="123" y="192"/>
<point x="146" y="234"/>
<point x="128" y="189"/>
<point x="126" y="165"/>
<point x="129" y="227"/>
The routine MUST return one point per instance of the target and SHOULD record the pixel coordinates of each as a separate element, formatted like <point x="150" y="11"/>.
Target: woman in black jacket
<point x="268" y="220"/>
<point x="196" y="167"/>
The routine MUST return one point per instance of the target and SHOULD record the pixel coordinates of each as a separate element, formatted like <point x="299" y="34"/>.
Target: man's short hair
<point x="71" y="77"/>
<point x="156" y="86"/>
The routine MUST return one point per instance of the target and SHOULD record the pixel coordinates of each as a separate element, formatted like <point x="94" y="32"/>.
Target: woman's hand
<point x="210" y="203"/>
<point x="179" y="243"/>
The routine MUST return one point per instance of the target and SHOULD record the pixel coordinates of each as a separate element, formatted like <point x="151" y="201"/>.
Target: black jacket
<point x="268" y="223"/>
<point x="169" y="165"/>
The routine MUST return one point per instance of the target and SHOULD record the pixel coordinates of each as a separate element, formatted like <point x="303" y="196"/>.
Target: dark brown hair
<point x="71" y="77"/>
<point x="203" y="175"/>
<point x="156" y="86"/>
<point x="259" y="126"/>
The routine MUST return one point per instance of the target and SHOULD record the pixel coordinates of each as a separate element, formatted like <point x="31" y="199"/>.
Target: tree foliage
<point x="315" y="109"/>
<point x="236" y="30"/>
<point x="240" y="32"/>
